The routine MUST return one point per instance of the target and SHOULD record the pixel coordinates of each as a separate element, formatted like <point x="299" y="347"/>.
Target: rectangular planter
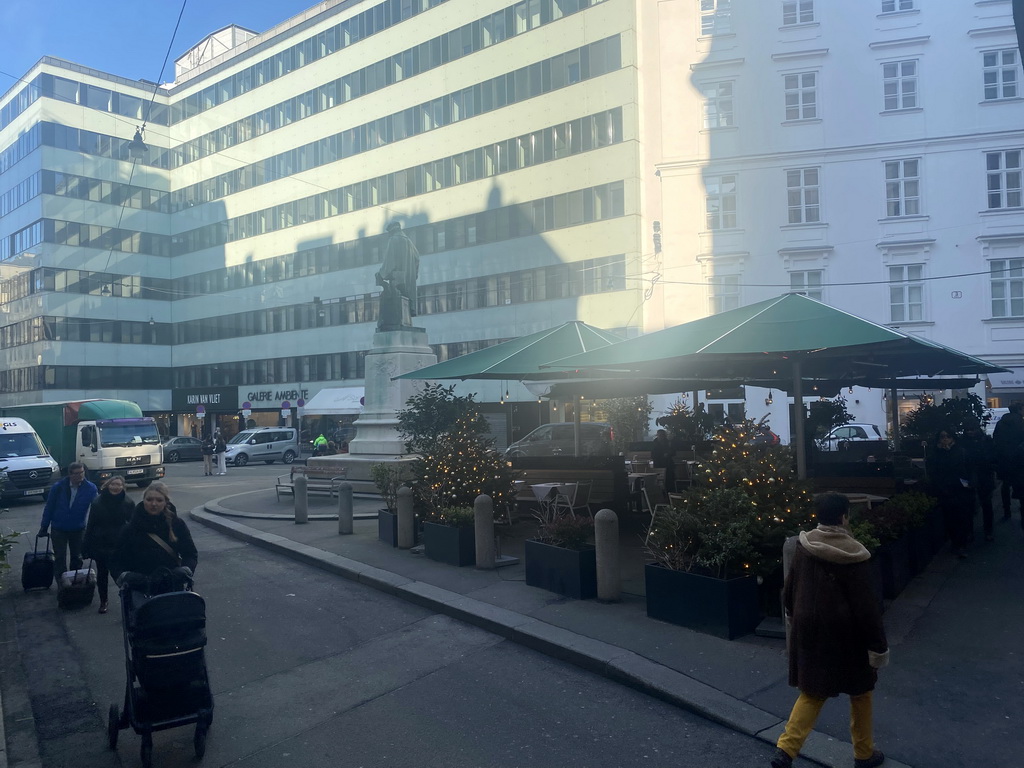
<point x="894" y="557"/>
<point x="568" y="572"/>
<point x="919" y="543"/>
<point x="454" y="546"/>
<point x="387" y="527"/>
<point x="876" y="578"/>
<point x="937" y="525"/>
<point x="724" y="607"/>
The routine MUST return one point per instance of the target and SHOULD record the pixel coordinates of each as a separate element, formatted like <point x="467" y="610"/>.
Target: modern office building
<point x="233" y="261"/>
<point x="866" y="153"/>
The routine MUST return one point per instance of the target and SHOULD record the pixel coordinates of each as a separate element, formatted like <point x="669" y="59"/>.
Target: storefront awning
<point x="1012" y="379"/>
<point x="340" y="401"/>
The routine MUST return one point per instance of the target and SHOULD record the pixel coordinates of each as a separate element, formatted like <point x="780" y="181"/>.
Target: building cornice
<point x="806" y="54"/>
<point x="1002" y="31"/>
<point x="701" y="66"/>
<point x="900" y="43"/>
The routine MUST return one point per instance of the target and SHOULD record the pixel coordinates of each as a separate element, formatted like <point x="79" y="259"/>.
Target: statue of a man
<point x="401" y="266"/>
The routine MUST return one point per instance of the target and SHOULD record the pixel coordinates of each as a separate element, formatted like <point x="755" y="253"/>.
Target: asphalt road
<point x="309" y="669"/>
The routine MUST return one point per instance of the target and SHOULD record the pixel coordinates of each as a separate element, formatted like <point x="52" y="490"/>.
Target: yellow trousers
<point x="805" y="715"/>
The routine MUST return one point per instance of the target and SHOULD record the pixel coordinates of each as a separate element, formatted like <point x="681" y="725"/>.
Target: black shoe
<point x="876" y="759"/>
<point x="781" y="759"/>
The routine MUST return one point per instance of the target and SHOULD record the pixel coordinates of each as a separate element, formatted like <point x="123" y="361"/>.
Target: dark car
<point x="182" y="449"/>
<point x="560" y="440"/>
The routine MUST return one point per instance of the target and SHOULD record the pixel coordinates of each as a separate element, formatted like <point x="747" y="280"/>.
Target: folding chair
<point x="661" y="504"/>
<point x="565" y="497"/>
<point x="581" y="499"/>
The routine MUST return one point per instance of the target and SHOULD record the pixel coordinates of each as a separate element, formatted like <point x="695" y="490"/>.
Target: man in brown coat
<point x="836" y="638"/>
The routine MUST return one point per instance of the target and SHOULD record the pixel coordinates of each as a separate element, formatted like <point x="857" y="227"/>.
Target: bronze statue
<point x="397" y="276"/>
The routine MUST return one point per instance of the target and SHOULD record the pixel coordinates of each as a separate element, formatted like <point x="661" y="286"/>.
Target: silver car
<point x="560" y="440"/>
<point x="268" y="444"/>
<point x="849" y="433"/>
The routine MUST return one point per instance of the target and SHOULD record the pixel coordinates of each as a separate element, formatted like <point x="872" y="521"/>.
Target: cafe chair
<point x="581" y="499"/>
<point x="660" y="506"/>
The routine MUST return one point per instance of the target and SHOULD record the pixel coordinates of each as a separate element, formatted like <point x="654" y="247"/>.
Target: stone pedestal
<point x="394" y="352"/>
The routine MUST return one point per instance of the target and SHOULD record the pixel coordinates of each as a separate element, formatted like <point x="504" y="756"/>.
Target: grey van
<point x="267" y="444"/>
<point x="559" y="440"/>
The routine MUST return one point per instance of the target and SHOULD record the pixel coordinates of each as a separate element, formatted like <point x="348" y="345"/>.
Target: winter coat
<point x="136" y="551"/>
<point x="836" y="638"/>
<point x="946" y="469"/>
<point x="980" y="452"/>
<point x="61" y="513"/>
<point x="107" y="516"/>
<point x="220" y="446"/>
<point x="208" y="446"/>
<point x="1007" y="437"/>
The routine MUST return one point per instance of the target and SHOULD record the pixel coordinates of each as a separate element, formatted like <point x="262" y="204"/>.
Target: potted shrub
<point x="891" y="520"/>
<point x="917" y="507"/>
<point x="699" y="578"/>
<point x="561" y="558"/>
<point x="864" y="532"/>
<point x="388" y="478"/>
<point x="449" y="537"/>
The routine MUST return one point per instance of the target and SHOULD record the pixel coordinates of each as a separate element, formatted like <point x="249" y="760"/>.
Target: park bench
<point x="318" y="480"/>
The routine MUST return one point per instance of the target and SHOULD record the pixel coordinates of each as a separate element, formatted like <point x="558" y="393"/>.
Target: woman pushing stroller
<point x="154" y="538"/>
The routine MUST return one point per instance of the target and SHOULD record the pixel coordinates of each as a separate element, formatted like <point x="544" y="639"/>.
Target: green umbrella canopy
<point x="521" y="358"/>
<point x="760" y="342"/>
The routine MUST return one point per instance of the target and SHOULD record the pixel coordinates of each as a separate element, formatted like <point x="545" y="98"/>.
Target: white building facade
<point x="868" y="154"/>
<point x="234" y="262"/>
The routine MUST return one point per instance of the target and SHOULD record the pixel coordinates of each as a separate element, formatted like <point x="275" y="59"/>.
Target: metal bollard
<point x="483" y="524"/>
<point x="301" y="499"/>
<point x="406" y="519"/>
<point x="606" y="541"/>
<point x="345" y="509"/>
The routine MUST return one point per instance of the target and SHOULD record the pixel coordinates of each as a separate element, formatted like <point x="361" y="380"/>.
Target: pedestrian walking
<point x="64" y="516"/>
<point x="155" y="537"/>
<point x="219" y="448"/>
<point x="208" y="451"/>
<point x="836" y="638"/>
<point x="109" y="513"/>
<point x="1007" y="437"/>
<point x="663" y="457"/>
<point x="949" y="477"/>
<point x="980" y="451"/>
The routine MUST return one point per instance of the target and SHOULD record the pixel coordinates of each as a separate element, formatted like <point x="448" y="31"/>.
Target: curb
<point x="610" y="661"/>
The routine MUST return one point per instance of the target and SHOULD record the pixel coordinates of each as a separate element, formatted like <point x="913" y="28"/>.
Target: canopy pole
<point x="576" y="425"/>
<point x="799" y="421"/>
<point x="894" y="413"/>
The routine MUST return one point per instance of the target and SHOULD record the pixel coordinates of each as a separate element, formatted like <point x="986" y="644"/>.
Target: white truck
<point x="26" y="467"/>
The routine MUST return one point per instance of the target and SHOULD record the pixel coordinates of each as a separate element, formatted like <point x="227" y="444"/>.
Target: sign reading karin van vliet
<point x="213" y="399"/>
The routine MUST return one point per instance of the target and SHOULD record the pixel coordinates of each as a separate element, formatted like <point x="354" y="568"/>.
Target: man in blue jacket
<point x="64" y="516"/>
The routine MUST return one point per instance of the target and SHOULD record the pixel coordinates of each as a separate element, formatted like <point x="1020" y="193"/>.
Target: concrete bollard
<point x="345" y="509"/>
<point x="606" y="541"/>
<point x="406" y="519"/>
<point x="301" y="499"/>
<point x="483" y="523"/>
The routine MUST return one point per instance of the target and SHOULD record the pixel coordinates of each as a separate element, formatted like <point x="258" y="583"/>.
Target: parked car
<point x="559" y="440"/>
<point x="849" y="433"/>
<point x="182" y="449"/>
<point x="267" y="444"/>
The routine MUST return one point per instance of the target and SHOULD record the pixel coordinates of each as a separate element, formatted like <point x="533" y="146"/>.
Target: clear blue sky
<point x="126" y="38"/>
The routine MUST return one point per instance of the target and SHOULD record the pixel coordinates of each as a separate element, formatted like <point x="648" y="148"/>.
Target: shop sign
<point x="220" y="399"/>
<point x="272" y="397"/>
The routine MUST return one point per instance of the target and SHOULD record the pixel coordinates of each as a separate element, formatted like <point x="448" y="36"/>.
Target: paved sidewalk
<point x="955" y="635"/>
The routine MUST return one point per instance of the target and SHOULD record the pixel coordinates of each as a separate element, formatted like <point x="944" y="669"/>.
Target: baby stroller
<point x="164" y="636"/>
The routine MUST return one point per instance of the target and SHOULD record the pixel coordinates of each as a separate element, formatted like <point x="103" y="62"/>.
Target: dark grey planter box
<point x="936" y="524"/>
<point x="919" y="545"/>
<point x="447" y="544"/>
<point x="568" y="572"/>
<point x="724" y="607"/>
<point x="387" y="527"/>
<point x="894" y="557"/>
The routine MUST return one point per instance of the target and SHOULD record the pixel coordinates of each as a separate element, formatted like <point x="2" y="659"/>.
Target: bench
<point x="317" y="480"/>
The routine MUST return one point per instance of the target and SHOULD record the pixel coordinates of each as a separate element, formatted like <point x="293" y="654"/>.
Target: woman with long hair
<point x="109" y="512"/>
<point x="155" y="537"/>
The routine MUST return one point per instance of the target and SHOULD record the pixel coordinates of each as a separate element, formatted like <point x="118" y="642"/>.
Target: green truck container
<point x="108" y="436"/>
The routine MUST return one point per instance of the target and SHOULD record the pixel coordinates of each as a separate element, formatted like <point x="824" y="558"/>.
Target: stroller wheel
<point x="146" y="753"/>
<point x="113" y="718"/>
<point x="199" y="740"/>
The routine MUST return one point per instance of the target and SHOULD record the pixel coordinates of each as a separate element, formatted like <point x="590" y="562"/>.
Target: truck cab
<point x="127" y="446"/>
<point x="26" y="468"/>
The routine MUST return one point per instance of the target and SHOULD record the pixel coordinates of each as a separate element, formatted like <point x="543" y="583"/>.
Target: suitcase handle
<point x="44" y="536"/>
<point x="74" y="579"/>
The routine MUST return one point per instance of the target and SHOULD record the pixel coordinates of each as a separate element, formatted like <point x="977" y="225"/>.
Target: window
<point x="721" y="202"/>
<point x="1001" y="73"/>
<point x="892" y="6"/>
<point x="802" y="196"/>
<point x="724" y="293"/>
<point x="802" y="96"/>
<point x="899" y="83"/>
<point x="718" y="105"/>
<point x="715" y="17"/>
<point x="903" y="187"/>
<point x="797" y="12"/>
<point x="1007" y="287"/>
<point x="1003" y="178"/>
<point x="906" y="293"/>
<point x="807" y="283"/>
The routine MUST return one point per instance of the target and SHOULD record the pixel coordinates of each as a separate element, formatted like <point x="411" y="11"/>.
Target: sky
<point x="124" y="38"/>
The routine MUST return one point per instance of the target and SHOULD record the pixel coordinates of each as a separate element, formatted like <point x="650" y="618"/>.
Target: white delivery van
<point x="26" y="468"/>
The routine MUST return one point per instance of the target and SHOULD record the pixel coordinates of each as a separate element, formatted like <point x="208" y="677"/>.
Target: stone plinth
<point x="394" y="353"/>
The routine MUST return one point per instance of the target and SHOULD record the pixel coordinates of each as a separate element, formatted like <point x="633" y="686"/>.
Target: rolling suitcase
<point x="37" y="570"/>
<point x="75" y="589"/>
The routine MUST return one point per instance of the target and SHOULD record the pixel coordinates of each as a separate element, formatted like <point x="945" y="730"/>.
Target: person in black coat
<point x="154" y="538"/>
<point x="109" y="513"/>
<point x="949" y="478"/>
<point x="1007" y="436"/>
<point x="663" y="457"/>
<point x="980" y="451"/>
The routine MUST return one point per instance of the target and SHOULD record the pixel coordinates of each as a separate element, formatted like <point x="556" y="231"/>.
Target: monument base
<point x="394" y="353"/>
<point x="358" y="469"/>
